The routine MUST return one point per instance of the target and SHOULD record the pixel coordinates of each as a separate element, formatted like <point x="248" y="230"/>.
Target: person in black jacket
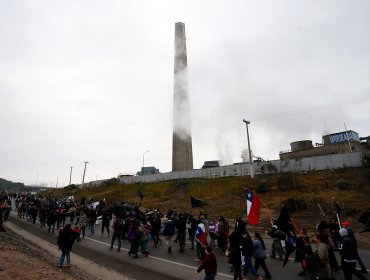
<point x="247" y="252"/>
<point x="348" y="251"/>
<point x="66" y="239"/>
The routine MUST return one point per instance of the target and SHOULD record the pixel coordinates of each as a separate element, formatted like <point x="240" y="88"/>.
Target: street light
<point x="249" y="148"/>
<point x="142" y="170"/>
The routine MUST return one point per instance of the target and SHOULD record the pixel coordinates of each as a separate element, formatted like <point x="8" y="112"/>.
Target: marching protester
<point x="322" y="251"/>
<point x="222" y="234"/>
<point x="209" y="264"/>
<point x="168" y="232"/>
<point x="247" y="252"/>
<point x="349" y="254"/>
<point x="133" y="237"/>
<point x="235" y="254"/>
<point x="144" y="231"/>
<point x="117" y="226"/>
<point x="351" y="234"/>
<point x="65" y="242"/>
<point x="200" y="238"/>
<point x="83" y="223"/>
<point x="302" y="241"/>
<point x="259" y="254"/>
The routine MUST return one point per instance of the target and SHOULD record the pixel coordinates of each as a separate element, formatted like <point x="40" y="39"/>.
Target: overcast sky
<point x="93" y="81"/>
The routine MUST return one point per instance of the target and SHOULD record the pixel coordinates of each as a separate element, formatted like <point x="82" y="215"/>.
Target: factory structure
<point x="337" y="150"/>
<point x="336" y="143"/>
<point x="182" y="151"/>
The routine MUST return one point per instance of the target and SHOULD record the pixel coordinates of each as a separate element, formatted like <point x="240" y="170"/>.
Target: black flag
<point x="337" y="208"/>
<point x="195" y="202"/>
<point x="140" y="194"/>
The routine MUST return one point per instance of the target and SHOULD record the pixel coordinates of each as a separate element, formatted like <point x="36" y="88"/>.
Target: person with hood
<point x="209" y="264"/>
<point x="259" y="254"/>
<point x="348" y="251"/>
<point x="235" y="254"/>
<point x="65" y="242"/>
<point x="351" y="234"/>
<point x="247" y="252"/>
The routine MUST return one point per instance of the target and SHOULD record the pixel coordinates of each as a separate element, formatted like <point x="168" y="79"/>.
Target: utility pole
<point x="56" y="185"/>
<point x="70" y="175"/>
<point x="83" y="177"/>
<point x="249" y="149"/>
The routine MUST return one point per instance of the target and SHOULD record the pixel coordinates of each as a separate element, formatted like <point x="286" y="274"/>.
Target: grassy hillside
<point x="225" y="196"/>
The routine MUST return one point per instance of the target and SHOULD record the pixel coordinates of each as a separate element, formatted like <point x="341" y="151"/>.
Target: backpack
<point x="120" y="225"/>
<point x="169" y="228"/>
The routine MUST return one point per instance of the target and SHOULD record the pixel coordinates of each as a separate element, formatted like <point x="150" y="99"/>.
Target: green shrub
<point x="343" y="185"/>
<point x="110" y="182"/>
<point x="70" y="187"/>
<point x="294" y="205"/>
<point x="263" y="188"/>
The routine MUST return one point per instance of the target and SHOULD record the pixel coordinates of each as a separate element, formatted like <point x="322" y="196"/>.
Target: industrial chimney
<point x="182" y="151"/>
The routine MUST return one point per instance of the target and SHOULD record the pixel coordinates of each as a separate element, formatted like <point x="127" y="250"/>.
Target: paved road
<point x="159" y="264"/>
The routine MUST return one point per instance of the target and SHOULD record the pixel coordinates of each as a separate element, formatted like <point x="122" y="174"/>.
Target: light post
<point x="142" y="170"/>
<point x="249" y="148"/>
<point x="83" y="177"/>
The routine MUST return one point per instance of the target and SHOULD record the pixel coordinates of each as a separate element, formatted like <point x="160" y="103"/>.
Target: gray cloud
<point x="90" y="81"/>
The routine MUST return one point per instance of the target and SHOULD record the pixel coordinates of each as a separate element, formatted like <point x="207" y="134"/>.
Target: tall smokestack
<point x="182" y="151"/>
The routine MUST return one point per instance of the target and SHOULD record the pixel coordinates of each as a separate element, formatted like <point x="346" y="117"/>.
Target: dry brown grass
<point x="225" y="196"/>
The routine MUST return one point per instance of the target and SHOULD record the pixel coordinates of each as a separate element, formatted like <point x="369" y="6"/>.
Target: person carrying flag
<point x="200" y="238"/>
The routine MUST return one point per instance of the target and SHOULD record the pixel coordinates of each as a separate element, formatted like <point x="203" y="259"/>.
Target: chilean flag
<point x="253" y="208"/>
<point x="200" y="234"/>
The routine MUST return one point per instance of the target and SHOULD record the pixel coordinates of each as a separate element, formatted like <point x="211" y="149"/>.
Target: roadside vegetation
<point x="300" y="192"/>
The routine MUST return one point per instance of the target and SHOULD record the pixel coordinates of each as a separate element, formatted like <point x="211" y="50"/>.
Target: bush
<point x="263" y="188"/>
<point x="343" y="185"/>
<point x="110" y="182"/>
<point x="288" y="181"/>
<point x="70" y="187"/>
<point x="268" y="167"/>
<point x="294" y="205"/>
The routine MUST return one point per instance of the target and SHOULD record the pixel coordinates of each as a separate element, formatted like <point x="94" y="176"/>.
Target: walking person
<point x="322" y="251"/>
<point x="168" y="232"/>
<point x="348" y="251"/>
<point x="82" y="223"/>
<point x="259" y="254"/>
<point x="351" y="234"/>
<point x="133" y="237"/>
<point x="235" y="254"/>
<point x="302" y="241"/>
<point x="65" y="242"/>
<point x="247" y="252"/>
<point x="117" y="226"/>
<point x="106" y="217"/>
<point x="209" y="264"/>
<point x="222" y="234"/>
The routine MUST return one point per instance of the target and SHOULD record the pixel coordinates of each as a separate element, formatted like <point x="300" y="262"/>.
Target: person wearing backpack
<point x="133" y="237"/>
<point x="168" y="232"/>
<point x="117" y="226"/>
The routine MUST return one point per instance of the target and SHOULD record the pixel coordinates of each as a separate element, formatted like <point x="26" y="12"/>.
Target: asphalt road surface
<point x="160" y="264"/>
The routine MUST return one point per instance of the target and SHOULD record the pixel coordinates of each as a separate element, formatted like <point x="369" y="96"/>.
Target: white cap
<point x="343" y="232"/>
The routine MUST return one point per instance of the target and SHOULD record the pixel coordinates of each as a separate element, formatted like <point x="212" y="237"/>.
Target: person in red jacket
<point x="209" y="264"/>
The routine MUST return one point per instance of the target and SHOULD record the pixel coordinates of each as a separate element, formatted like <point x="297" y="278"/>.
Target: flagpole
<point x="268" y="210"/>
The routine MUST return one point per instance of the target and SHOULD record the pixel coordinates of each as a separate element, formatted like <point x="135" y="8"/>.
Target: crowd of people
<point x="246" y="252"/>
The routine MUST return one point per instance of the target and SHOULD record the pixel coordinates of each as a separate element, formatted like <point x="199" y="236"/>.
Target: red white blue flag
<point x="253" y="207"/>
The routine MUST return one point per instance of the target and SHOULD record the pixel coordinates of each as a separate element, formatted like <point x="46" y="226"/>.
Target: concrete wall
<point x="335" y="161"/>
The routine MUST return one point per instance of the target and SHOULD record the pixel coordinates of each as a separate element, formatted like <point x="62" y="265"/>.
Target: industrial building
<point x="336" y="143"/>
